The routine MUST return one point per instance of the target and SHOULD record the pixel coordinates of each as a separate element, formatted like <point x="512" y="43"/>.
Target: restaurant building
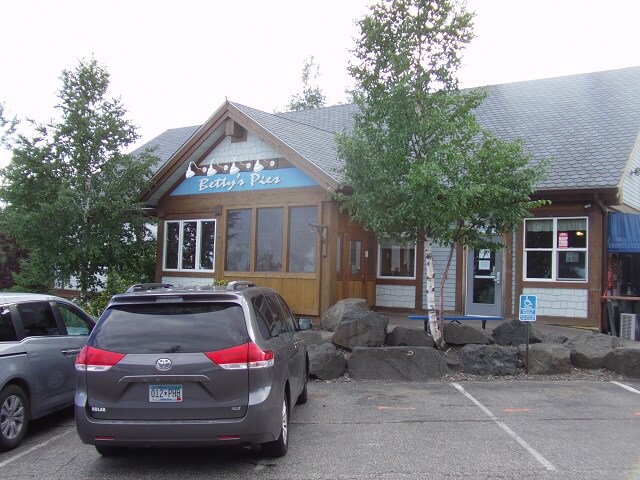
<point x="248" y="195"/>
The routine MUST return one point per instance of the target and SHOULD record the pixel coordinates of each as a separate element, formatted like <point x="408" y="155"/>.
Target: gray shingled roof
<point x="166" y="144"/>
<point x="587" y="124"/>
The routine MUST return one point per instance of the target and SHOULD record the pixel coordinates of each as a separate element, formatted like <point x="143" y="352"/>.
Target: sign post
<point x="528" y="312"/>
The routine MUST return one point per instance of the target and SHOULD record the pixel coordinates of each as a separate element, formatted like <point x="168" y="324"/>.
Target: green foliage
<point x="312" y="96"/>
<point x="418" y="161"/>
<point x="7" y="128"/>
<point x="116" y="283"/>
<point x="72" y="194"/>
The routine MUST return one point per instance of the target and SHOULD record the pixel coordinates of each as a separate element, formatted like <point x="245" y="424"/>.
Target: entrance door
<point x="484" y="282"/>
<point x="357" y="273"/>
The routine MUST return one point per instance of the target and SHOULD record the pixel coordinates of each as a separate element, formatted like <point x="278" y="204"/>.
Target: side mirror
<point x="304" y="324"/>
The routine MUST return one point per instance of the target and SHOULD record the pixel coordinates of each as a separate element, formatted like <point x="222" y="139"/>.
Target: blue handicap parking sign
<point x="528" y="308"/>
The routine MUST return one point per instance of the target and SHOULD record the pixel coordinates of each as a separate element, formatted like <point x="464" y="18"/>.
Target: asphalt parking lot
<point x="498" y="429"/>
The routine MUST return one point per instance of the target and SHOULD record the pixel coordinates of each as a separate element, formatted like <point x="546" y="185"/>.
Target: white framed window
<point x="555" y="249"/>
<point x="189" y="245"/>
<point x="396" y="259"/>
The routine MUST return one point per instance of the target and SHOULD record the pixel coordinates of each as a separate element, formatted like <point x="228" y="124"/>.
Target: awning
<point x="624" y="232"/>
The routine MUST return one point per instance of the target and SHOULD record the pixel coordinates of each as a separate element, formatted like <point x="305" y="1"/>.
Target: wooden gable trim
<point x="186" y="150"/>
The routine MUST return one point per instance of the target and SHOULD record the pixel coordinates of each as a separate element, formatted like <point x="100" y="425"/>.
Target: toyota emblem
<point x="163" y="364"/>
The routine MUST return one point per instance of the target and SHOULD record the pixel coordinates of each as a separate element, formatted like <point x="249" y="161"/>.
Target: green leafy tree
<point x="420" y="165"/>
<point x="71" y="194"/>
<point x="311" y="96"/>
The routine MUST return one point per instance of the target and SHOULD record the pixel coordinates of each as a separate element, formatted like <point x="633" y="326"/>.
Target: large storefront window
<point x="555" y="249"/>
<point x="189" y="245"/>
<point x="269" y="251"/>
<point x="396" y="259"/>
<point x="238" y="240"/>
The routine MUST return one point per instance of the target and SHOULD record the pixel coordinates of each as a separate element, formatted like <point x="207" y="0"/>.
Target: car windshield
<point x="170" y="328"/>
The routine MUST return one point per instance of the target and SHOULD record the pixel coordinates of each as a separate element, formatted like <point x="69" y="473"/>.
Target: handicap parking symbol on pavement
<point x="528" y="308"/>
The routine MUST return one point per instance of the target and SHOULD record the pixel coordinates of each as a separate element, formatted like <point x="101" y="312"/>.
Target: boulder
<point x="326" y="362"/>
<point x="515" y="333"/>
<point x="554" y="337"/>
<point x="489" y="359"/>
<point x="397" y="363"/>
<point x="366" y="331"/>
<point x="408" y="337"/>
<point x="343" y="310"/>
<point x="547" y="358"/>
<point x="625" y="361"/>
<point x="589" y="349"/>
<point x="461" y="334"/>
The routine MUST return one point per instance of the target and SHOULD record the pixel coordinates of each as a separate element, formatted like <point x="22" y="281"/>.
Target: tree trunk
<point x="434" y="329"/>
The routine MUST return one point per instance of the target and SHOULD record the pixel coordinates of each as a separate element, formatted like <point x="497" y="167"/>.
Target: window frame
<point x="555" y="251"/>
<point x="397" y="243"/>
<point x="285" y="243"/>
<point x="198" y="250"/>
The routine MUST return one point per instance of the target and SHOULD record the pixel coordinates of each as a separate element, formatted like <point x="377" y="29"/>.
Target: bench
<point x="458" y="318"/>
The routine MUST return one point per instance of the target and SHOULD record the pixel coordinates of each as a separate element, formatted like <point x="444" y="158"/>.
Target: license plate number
<point x="165" y="393"/>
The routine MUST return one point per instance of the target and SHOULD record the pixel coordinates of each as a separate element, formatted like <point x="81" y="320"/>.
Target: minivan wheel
<point x="278" y="448"/>
<point x="14" y="417"/>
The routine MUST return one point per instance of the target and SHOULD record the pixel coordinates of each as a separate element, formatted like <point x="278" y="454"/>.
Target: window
<point x="190" y="245"/>
<point x="238" y="240"/>
<point x="38" y="319"/>
<point x="355" y="262"/>
<point x="396" y="259"/>
<point x="302" y="239"/>
<point x="270" y="223"/>
<point x="75" y="324"/>
<point x="272" y="239"/>
<point x="7" y="329"/>
<point x="555" y="249"/>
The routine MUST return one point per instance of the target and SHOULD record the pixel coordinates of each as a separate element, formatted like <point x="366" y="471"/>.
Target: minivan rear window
<point x="170" y="328"/>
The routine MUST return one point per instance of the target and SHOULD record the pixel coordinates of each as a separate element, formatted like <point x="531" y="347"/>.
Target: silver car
<point x="40" y="336"/>
<point x="169" y="367"/>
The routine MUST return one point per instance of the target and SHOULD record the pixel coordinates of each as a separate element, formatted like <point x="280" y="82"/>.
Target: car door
<point x="294" y="343"/>
<point x="76" y="326"/>
<point x="51" y="357"/>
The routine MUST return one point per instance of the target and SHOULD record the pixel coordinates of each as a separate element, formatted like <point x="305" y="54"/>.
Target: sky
<point x="172" y="64"/>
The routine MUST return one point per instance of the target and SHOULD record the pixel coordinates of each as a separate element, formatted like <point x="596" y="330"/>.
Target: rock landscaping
<point x="353" y="342"/>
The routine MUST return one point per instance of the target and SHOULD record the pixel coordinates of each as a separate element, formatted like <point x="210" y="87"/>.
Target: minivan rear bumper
<point x="259" y="425"/>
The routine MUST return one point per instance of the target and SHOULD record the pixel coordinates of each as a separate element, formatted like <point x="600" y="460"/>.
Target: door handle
<point x="72" y="351"/>
<point x="497" y="278"/>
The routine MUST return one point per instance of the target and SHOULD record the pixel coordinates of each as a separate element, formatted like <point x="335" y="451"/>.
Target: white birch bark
<point x="434" y="329"/>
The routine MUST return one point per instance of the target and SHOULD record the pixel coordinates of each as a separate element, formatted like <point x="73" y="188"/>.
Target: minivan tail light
<point x="247" y="355"/>
<point x="91" y="359"/>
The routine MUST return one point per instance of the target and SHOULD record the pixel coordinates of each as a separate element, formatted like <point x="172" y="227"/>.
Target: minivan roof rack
<point x="238" y="284"/>
<point x="138" y="287"/>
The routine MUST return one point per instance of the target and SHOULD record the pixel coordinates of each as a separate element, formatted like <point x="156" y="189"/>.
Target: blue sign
<point x="528" y="308"/>
<point x="244" y="182"/>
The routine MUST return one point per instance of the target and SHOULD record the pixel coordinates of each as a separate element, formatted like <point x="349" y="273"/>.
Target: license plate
<point x="165" y="393"/>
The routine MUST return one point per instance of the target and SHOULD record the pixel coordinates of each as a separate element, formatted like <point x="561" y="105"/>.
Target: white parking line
<point x="35" y="447"/>
<point x="545" y="463"/>
<point x="626" y="387"/>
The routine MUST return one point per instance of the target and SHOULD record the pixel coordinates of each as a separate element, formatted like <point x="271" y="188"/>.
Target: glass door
<point x="484" y="282"/>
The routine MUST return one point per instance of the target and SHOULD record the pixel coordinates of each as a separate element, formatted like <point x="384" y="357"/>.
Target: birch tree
<point x="419" y="163"/>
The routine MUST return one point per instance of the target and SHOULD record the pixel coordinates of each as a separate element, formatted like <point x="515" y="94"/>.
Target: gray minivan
<point x="167" y="367"/>
<point x="40" y="336"/>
